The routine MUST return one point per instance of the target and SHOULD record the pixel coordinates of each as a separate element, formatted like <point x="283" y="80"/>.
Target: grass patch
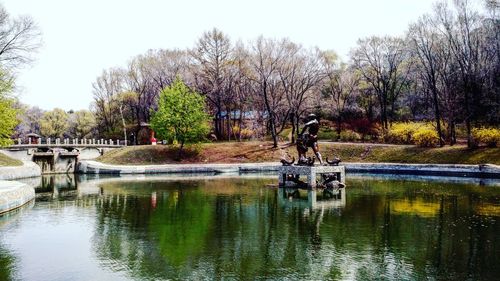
<point x="7" y="161"/>
<point x="254" y="151"/>
<point x="327" y="133"/>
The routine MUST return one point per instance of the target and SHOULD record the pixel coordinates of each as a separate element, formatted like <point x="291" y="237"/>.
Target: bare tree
<point x="300" y="72"/>
<point x="425" y="42"/>
<point x="29" y="119"/>
<point x="105" y="106"/>
<point x="464" y="42"/>
<point x="241" y="98"/>
<point x="384" y="64"/>
<point x="19" y="39"/>
<point x="267" y="56"/>
<point x="211" y="60"/>
<point x="340" y="86"/>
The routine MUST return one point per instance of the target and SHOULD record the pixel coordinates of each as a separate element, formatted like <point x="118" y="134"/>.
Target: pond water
<point x="159" y="228"/>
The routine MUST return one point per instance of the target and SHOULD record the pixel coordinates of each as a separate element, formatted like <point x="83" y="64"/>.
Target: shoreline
<point x="445" y="170"/>
<point x="30" y="169"/>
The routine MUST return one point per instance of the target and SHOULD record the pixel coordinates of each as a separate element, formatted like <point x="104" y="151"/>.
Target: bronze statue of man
<point x="309" y="140"/>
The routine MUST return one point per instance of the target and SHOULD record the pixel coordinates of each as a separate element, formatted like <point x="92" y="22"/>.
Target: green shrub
<point x="348" y="135"/>
<point x="425" y="136"/>
<point x="327" y="134"/>
<point x="286" y="133"/>
<point x="488" y="136"/>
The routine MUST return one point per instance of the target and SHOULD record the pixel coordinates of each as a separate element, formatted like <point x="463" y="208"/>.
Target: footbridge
<point x="60" y="155"/>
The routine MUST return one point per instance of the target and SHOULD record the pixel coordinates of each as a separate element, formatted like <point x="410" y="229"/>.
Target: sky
<point x="81" y="38"/>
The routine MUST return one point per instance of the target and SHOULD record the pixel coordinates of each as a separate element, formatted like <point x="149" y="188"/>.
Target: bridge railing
<point x="72" y="141"/>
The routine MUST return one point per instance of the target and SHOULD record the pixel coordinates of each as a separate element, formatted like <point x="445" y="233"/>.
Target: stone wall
<point x="28" y="170"/>
<point x="449" y="170"/>
<point x="14" y="194"/>
<point x="94" y="167"/>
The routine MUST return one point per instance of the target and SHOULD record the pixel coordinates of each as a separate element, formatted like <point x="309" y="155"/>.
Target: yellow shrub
<point x="488" y="136"/>
<point x="247" y="133"/>
<point x="419" y="133"/>
<point x="403" y="132"/>
<point x="425" y="136"/>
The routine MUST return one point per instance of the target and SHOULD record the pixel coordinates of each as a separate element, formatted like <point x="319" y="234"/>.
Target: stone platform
<point x="311" y="172"/>
<point x="14" y="194"/>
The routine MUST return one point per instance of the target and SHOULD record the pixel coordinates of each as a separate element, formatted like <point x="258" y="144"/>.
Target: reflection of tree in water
<point x="230" y="228"/>
<point x="181" y="224"/>
<point x="454" y="242"/>
<point x="144" y="236"/>
<point x="7" y="264"/>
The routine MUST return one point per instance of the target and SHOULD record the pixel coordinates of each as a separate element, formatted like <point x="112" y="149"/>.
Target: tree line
<point x="444" y="69"/>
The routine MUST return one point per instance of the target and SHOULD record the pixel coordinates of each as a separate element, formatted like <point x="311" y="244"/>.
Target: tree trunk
<point x="271" y="120"/>
<point x="228" y="125"/>
<point x="124" y="126"/>
<point x="384" y="116"/>
<point x="297" y="121"/>
<point x="437" y="115"/>
<point x="470" y="142"/>
<point x="240" y="122"/>
<point x="217" y="124"/>
<point x="273" y="132"/>
<point x="453" y="136"/>
<point x="339" y="126"/>
<point x="179" y="153"/>
<point x="292" y="117"/>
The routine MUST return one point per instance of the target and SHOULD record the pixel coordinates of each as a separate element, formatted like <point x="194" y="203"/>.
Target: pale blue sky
<point x="83" y="37"/>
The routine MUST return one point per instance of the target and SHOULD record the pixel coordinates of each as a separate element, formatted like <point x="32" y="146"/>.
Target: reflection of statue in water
<point x="309" y="139"/>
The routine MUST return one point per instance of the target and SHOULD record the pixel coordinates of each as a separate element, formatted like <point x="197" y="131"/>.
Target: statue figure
<point x="309" y="139"/>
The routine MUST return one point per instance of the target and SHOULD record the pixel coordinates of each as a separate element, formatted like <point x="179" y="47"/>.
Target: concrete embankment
<point x="14" y="194"/>
<point x="27" y="170"/>
<point x="480" y="171"/>
<point x="94" y="167"/>
<point x="445" y="170"/>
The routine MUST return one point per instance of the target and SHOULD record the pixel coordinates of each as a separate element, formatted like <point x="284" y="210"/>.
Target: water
<point x="143" y="228"/>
